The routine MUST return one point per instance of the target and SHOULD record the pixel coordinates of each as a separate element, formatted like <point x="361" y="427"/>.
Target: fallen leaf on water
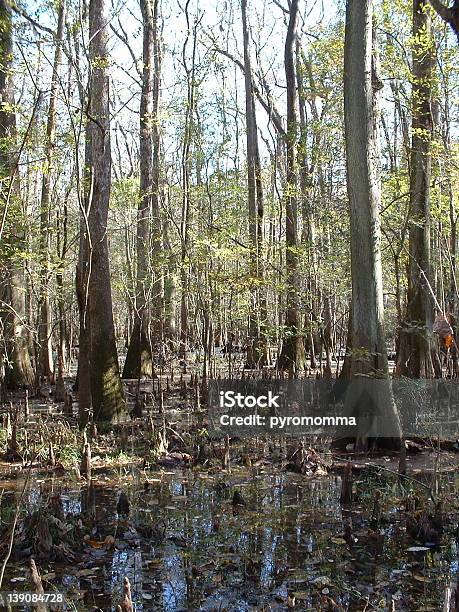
<point x="95" y="543"/>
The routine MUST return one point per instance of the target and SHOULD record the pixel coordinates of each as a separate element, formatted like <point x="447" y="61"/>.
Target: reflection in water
<point x="128" y="563"/>
<point x="268" y="564"/>
<point x="288" y="539"/>
<point x="174" y="588"/>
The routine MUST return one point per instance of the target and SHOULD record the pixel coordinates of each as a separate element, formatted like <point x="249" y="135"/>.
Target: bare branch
<point x="123" y="37"/>
<point x="266" y="104"/>
<point x="278" y="4"/>
<point x="36" y="24"/>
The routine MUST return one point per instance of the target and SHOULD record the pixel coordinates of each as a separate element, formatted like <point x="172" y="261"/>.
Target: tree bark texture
<point x="16" y="357"/>
<point x="148" y="313"/>
<point x="370" y="383"/>
<point x="292" y="356"/>
<point x="107" y="397"/>
<point x="417" y="356"/>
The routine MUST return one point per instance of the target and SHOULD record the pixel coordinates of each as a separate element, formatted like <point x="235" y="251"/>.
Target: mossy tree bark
<point x="97" y="344"/>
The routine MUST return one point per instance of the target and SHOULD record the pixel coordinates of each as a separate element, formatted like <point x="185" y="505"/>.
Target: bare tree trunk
<point x="107" y="395"/>
<point x="369" y="369"/>
<point x="256" y="347"/>
<point x="83" y="379"/>
<point x="307" y="172"/>
<point x="418" y="357"/>
<point x="453" y="301"/>
<point x="169" y="286"/>
<point x="156" y="230"/>
<point x="61" y="252"/>
<point x="45" y="360"/>
<point x="13" y="310"/>
<point x="292" y="356"/>
<point x="83" y="382"/>
<point x="139" y="357"/>
<point x="186" y="186"/>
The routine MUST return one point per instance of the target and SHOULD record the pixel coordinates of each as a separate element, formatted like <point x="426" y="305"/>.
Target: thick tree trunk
<point x="45" y="360"/>
<point x="417" y="356"/>
<point x="98" y="336"/>
<point x="292" y="356"/>
<point x="19" y="370"/>
<point x="370" y="382"/>
<point x="148" y="314"/>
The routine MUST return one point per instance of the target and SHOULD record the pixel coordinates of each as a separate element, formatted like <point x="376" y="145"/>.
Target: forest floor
<point x="202" y="524"/>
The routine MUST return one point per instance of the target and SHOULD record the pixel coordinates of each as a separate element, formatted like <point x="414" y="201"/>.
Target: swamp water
<point x="185" y="546"/>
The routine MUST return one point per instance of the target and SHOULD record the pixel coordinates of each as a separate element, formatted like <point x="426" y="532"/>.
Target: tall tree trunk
<point x="308" y="177"/>
<point x="369" y="369"/>
<point x="156" y="229"/>
<point x="418" y="357"/>
<point x="186" y="186"/>
<point x="19" y="370"/>
<point x="61" y="252"/>
<point x="45" y="360"/>
<point x="169" y="286"/>
<point x="292" y="356"/>
<point x="106" y="390"/>
<point x="149" y="297"/>
<point x="256" y="346"/>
